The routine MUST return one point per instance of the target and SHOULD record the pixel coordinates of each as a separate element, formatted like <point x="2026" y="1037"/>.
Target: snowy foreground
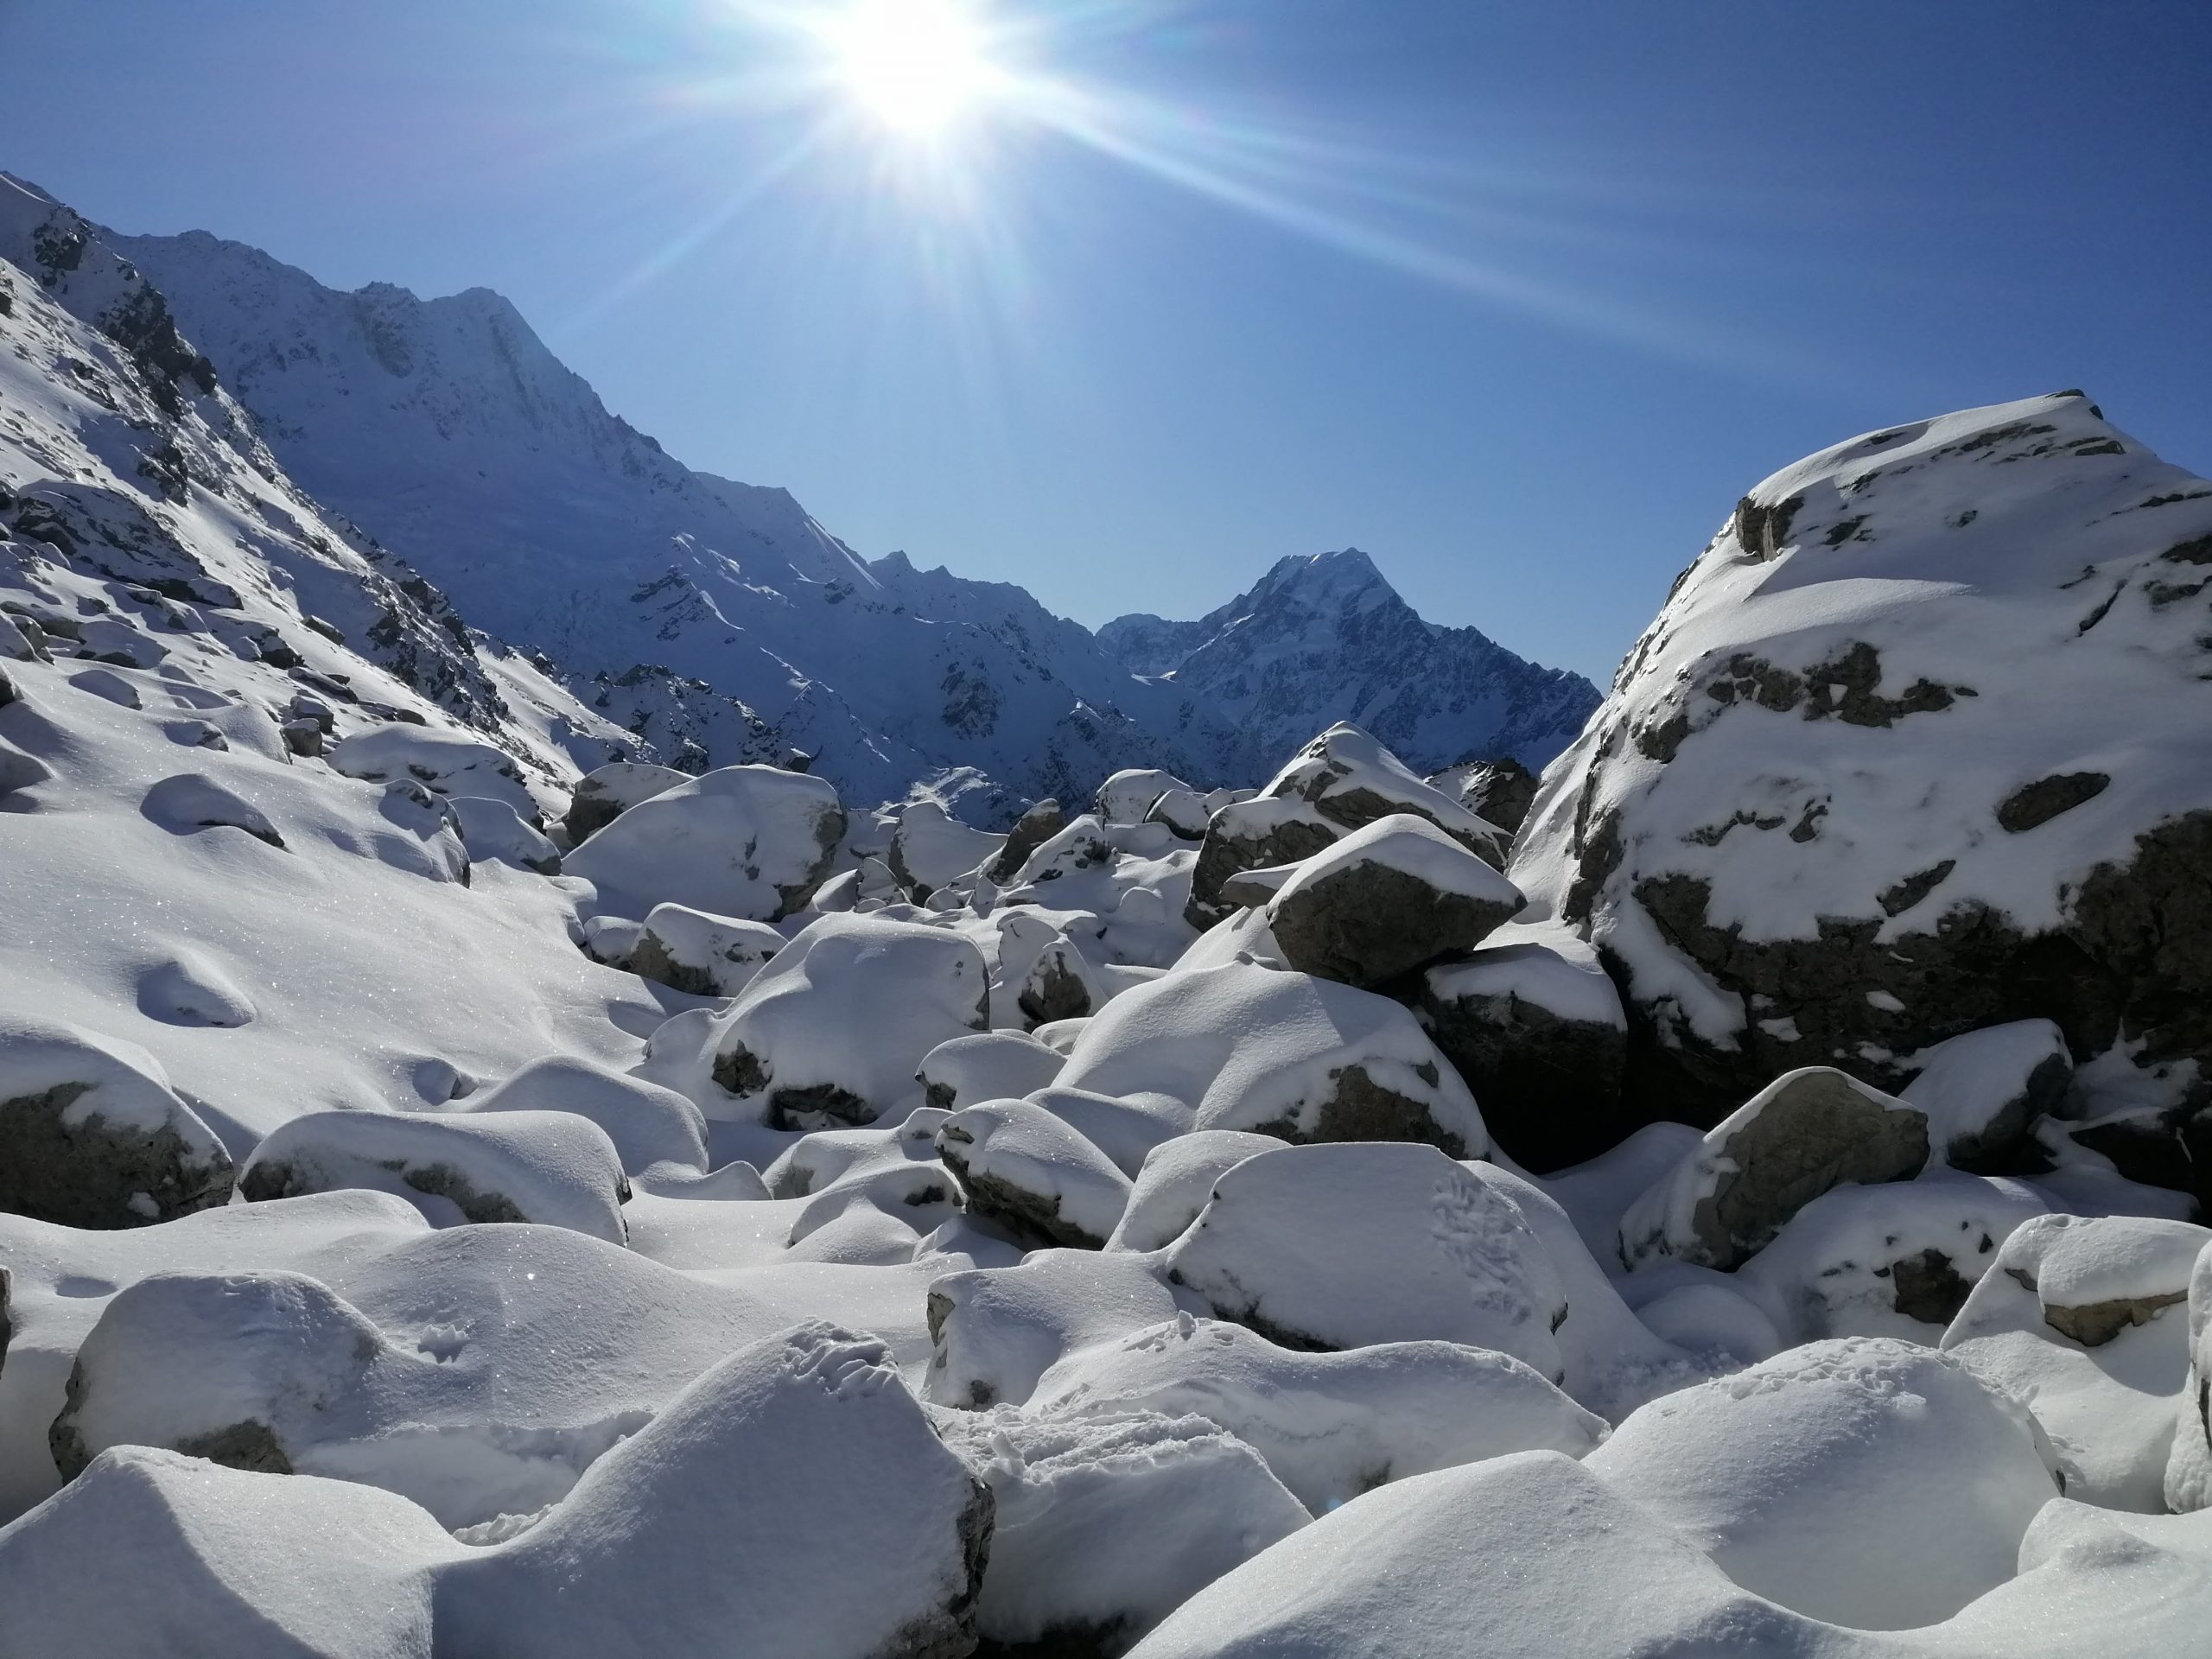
<point x="461" y="1194"/>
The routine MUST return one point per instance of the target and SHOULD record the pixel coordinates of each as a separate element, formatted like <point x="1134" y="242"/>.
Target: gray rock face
<point x="1031" y="830"/>
<point x="1500" y="792"/>
<point x="1251" y="835"/>
<point x="601" y="796"/>
<point x="1549" y="1083"/>
<point x="98" y="1171"/>
<point x="1812" y="1131"/>
<point x="1385" y="900"/>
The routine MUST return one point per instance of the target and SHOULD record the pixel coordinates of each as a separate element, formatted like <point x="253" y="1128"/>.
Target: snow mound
<point x="996" y="1331"/>
<point x="1341" y="1246"/>
<point x="1176" y="1179"/>
<point x="554" y="1167"/>
<point x="1862" y="1481"/>
<point x="649" y="1125"/>
<point x="1104" y="1526"/>
<point x="987" y="1065"/>
<point x="1330" y="1425"/>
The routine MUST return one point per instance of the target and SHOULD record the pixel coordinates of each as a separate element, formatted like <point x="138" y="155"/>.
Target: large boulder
<point x="1025" y="1169"/>
<point x="1259" y="834"/>
<point x="1389" y="897"/>
<point x="92" y="1135"/>
<point x="553" y="1167"/>
<point x="930" y="848"/>
<point x="1340" y="1247"/>
<point x="833" y="1030"/>
<point x="1241" y="1046"/>
<point x="603" y="796"/>
<point x="752" y="842"/>
<point x="1031" y="831"/>
<point x="1533" y="1024"/>
<point x="1807" y="1133"/>
<point x="1918" y="745"/>
<point x="1351" y="780"/>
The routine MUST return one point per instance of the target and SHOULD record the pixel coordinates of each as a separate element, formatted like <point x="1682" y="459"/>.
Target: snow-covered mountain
<point x="721" y="621"/>
<point x="1327" y="639"/>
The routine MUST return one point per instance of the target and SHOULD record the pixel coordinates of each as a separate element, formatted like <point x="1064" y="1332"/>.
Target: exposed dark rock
<point x="1031" y="830"/>
<point x="1055" y="988"/>
<point x="1239" y="840"/>
<point x="2095" y="1323"/>
<point x="97" y="1173"/>
<point x="1367" y="922"/>
<point x="273" y="1177"/>
<point x="1500" y="793"/>
<point x="1034" y="1216"/>
<point x="1549" y="1088"/>
<point x="2045" y="799"/>
<point x="1927" y="1287"/>
<point x="1364" y="1109"/>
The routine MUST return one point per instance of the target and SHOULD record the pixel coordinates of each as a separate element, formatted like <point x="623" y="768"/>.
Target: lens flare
<point x="915" y="65"/>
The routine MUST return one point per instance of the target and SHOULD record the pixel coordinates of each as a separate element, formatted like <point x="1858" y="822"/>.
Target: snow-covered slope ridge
<point x="1922" y="742"/>
<point x="1327" y="639"/>
<point x="722" y="622"/>
<point x="129" y="456"/>
<point x="184" y="635"/>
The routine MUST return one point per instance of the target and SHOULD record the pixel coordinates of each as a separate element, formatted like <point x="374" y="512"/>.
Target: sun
<point x="915" y="65"/>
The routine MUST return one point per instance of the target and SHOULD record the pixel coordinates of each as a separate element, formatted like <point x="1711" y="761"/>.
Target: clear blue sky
<point x="1519" y="299"/>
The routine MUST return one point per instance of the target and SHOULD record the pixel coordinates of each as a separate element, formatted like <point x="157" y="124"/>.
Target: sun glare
<point x="915" y="65"/>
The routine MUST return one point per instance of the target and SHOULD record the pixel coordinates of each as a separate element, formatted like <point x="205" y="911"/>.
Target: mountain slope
<point x="447" y="426"/>
<point x="1327" y="639"/>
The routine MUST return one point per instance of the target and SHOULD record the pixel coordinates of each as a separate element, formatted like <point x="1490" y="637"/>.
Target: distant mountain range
<point x="718" y="622"/>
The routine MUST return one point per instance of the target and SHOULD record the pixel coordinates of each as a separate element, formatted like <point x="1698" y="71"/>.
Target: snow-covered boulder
<point x="1497" y="792"/>
<point x="1127" y="795"/>
<point x="1350" y="779"/>
<point x="1059" y="983"/>
<point x="1525" y="1556"/>
<point x="930" y="848"/>
<point x="2188" y="1468"/>
<point x="1103" y="1526"/>
<point x="1389" y="897"/>
<point x="1917" y="746"/>
<point x="748" y="841"/>
<point x="795" y="1498"/>
<point x="203" y="1544"/>
<point x="995" y="1331"/>
<point x="1241" y="1046"/>
<point x="2082" y="1320"/>
<point x="986" y="1066"/>
<point x="190" y="802"/>
<point x="695" y="952"/>
<point x="446" y="762"/>
<point x="92" y="1135"/>
<point x="1182" y="810"/>
<point x="1337" y="1247"/>
<point x="1984" y="1090"/>
<point x="603" y="795"/>
<point x="553" y="1167"/>
<point x="1803" y="1134"/>
<point x="1895" y="1259"/>
<point x="1031" y="831"/>
<point x="1863" y="1481"/>
<point x="649" y="1125"/>
<point x="1126" y="1131"/>
<point x="834" y="1028"/>
<point x="1330" y="1425"/>
<point x="492" y="830"/>
<point x="1263" y="833"/>
<point x="1175" y="1181"/>
<point x="1026" y="1170"/>
<point x="1533" y="1027"/>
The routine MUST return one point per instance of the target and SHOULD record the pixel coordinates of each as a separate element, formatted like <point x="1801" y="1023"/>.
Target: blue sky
<point x="1517" y="299"/>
